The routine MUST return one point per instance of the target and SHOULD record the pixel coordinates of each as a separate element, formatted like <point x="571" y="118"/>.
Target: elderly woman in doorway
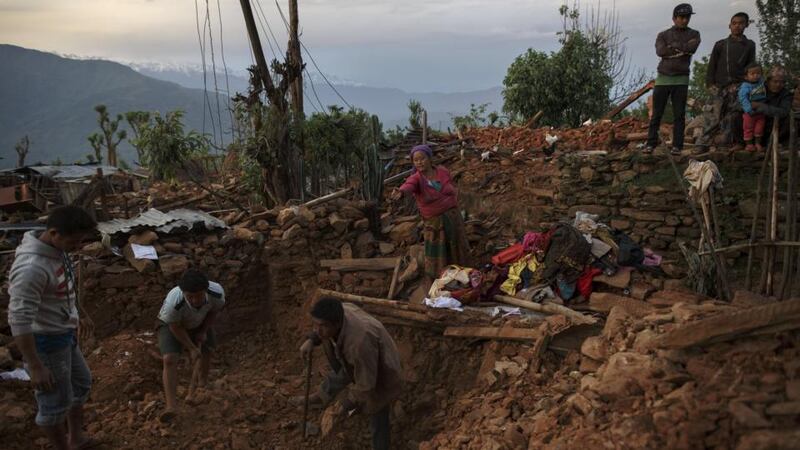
<point x="437" y="200"/>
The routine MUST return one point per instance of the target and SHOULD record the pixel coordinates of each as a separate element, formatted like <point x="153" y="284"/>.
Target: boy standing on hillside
<point x="729" y="57"/>
<point x="43" y="315"/>
<point x="675" y="46"/>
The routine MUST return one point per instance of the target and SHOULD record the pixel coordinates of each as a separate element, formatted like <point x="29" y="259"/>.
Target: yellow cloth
<point x="515" y="272"/>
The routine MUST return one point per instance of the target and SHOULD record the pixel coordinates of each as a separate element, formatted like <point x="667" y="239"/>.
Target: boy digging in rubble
<point x="185" y="322"/>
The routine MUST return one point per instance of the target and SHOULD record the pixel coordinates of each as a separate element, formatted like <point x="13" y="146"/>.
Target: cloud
<point x="485" y="34"/>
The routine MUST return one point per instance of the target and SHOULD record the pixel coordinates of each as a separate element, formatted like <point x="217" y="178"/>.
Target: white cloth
<point x="702" y="175"/>
<point x="176" y="309"/>
<point x="585" y="223"/>
<point x="144" y="251"/>
<point x="450" y="273"/>
<point x="505" y="311"/>
<point x="16" y="374"/>
<point x="444" y="302"/>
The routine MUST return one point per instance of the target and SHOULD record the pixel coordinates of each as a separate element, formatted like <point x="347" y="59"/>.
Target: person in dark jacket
<point x="777" y="104"/>
<point x="675" y="47"/>
<point x="726" y="66"/>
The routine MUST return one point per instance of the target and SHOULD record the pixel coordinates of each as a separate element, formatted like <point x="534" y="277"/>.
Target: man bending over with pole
<point x="363" y="359"/>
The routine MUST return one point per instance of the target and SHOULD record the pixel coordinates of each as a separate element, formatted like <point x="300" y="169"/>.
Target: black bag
<point x="568" y="254"/>
<point x="630" y="254"/>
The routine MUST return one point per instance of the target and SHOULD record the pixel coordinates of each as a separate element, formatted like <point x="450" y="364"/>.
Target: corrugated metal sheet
<point x="72" y="172"/>
<point x="173" y="221"/>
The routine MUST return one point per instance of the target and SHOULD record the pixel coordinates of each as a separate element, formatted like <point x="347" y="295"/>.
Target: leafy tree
<point x="474" y="119"/>
<point x="697" y="85"/>
<point x="779" y="29"/>
<point x="21" y="148"/>
<point x="415" y="117"/>
<point x="137" y="120"/>
<point x="107" y="138"/>
<point x="569" y="86"/>
<point x="337" y="145"/>
<point x="166" y="148"/>
<point x="590" y="72"/>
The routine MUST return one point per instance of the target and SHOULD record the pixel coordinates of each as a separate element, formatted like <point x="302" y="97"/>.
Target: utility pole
<point x="295" y="59"/>
<point x="258" y="52"/>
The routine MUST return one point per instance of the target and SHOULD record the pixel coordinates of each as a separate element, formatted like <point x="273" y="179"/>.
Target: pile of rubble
<point x="593" y="136"/>
<point x="676" y="371"/>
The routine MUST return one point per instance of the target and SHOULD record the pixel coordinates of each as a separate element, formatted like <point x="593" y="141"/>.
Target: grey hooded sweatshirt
<point x="42" y="289"/>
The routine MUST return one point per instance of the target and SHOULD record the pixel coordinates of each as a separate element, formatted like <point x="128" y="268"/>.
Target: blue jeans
<point x="71" y="388"/>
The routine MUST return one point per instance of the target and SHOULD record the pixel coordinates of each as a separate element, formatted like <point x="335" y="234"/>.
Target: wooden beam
<point x="358" y="264"/>
<point x="748" y="245"/>
<point x="495" y="333"/>
<point x="372" y="300"/>
<point x="724" y="327"/>
<point x="393" y="283"/>
<point x="548" y="308"/>
<point x="603" y="302"/>
<point x="632" y="98"/>
<point x="327" y="198"/>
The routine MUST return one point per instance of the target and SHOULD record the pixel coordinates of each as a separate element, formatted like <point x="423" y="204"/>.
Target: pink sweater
<point x="431" y="202"/>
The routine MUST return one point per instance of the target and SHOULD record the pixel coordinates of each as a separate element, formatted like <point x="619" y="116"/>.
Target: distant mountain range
<point x="389" y="104"/>
<point x="51" y="99"/>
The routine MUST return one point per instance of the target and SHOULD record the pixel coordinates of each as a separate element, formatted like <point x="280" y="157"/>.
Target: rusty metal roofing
<point x="170" y="222"/>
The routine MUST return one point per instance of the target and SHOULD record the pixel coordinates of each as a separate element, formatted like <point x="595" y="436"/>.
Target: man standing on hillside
<point x="185" y="322"/>
<point x="363" y="358"/>
<point x="43" y="315"/>
<point x="725" y="73"/>
<point x="675" y="47"/>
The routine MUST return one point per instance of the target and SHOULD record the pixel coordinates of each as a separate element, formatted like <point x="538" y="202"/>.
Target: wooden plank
<point x="547" y="308"/>
<point x="494" y="333"/>
<point x="631" y="98"/>
<point x="603" y="302"/>
<point x="327" y="198"/>
<point x="389" y="320"/>
<point x="393" y="284"/>
<point x="724" y="327"/>
<point x="359" y="264"/>
<point x="371" y="300"/>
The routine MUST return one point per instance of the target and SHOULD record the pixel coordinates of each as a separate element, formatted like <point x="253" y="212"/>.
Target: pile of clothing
<point x="559" y="263"/>
<point x="566" y="258"/>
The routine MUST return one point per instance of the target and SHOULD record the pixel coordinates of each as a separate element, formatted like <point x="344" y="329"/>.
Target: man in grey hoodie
<point x="43" y="315"/>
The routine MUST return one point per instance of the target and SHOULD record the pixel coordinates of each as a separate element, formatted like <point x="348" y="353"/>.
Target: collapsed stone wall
<point x="636" y="193"/>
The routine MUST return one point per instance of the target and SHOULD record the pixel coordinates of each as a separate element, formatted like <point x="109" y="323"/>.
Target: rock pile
<point x="626" y="390"/>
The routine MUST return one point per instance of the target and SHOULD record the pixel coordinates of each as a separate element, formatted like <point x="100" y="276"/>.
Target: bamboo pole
<point x="549" y="308"/>
<point x="773" y="229"/>
<point x="753" y="225"/>
<point x="748" y="245"/>
<point x="762" y="283"/>
<point x="791" y="216"/>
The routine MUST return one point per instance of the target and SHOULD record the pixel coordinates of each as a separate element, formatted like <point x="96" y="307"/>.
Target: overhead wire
<point x="214" y="72"/>
<point x="225" y="68"/>
<point x="313" y="61"/>
<point x="203" y="58"/>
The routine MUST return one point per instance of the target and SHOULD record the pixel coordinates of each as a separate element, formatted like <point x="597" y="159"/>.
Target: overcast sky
<point x="415" y="45"/>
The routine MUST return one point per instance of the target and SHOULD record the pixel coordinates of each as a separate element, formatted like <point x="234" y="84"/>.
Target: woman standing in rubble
<point x="437" y="200"/>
